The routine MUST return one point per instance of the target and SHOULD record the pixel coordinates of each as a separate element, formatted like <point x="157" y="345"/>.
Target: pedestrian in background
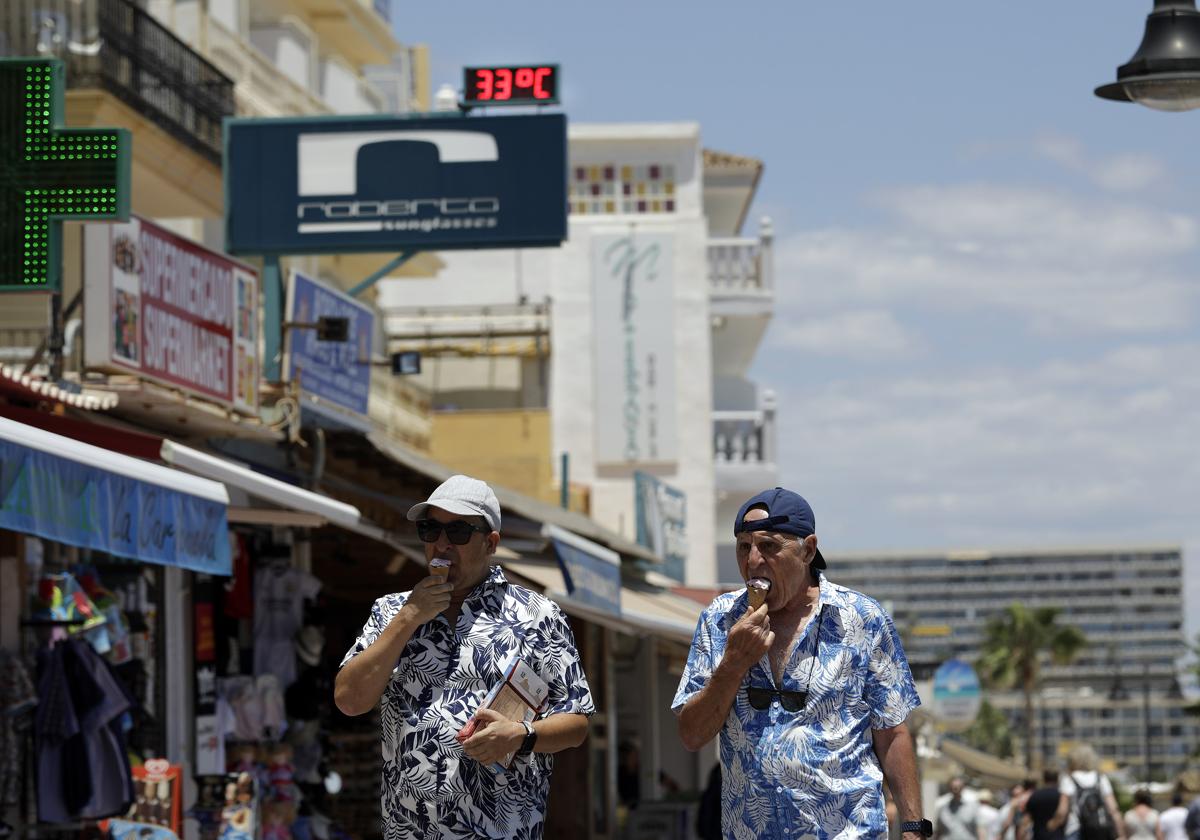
<point x="1171" y="821"/>
<point x="958" y="817"/>
<point x="809" y="693"/>
<point x="1094" y="814"/>
<point x="1141" y="821"/>
<point x="1046" y="810"/>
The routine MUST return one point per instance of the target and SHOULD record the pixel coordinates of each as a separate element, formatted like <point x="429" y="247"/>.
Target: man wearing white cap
<point x="433" y="653"/>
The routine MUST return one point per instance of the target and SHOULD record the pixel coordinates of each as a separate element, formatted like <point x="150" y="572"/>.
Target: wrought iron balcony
<point x="116" y="46"/>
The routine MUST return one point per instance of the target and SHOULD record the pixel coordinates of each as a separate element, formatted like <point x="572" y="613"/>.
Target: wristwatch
<point x="922" y="827"/>
<point x="530" y="739"/>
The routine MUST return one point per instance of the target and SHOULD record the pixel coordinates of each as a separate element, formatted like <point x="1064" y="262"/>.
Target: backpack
<point x="1095" y="823"/>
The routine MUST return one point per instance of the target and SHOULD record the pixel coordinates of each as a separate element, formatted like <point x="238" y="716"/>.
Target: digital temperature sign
<point x="524" y="84"/>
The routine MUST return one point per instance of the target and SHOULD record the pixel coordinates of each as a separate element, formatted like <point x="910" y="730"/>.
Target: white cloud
<point x="1127" y="172"/>
<point x="1016" y="366"/>
<point x="1062" y="263"/>
<point x="862" y="334"/>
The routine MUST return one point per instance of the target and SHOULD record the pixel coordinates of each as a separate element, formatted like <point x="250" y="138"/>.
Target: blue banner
<point x="380" y="183"/>
<point x="335" y="372"/>
<point x="591" y="572"/>
<point x="69" y="502"/>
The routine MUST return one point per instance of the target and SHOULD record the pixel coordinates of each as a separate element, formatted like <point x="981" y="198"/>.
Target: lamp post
<point x="1164" y="73"/>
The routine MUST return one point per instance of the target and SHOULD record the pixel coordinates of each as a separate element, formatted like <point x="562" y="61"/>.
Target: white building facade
<point x="653" y="309"/>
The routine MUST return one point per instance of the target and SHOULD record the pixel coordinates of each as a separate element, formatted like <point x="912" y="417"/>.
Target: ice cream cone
<point x="756" y="592"/>
<point x="439" y="567"/>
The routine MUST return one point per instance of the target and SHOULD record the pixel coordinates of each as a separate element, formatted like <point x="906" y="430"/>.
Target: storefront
<point x="93" y="546"/>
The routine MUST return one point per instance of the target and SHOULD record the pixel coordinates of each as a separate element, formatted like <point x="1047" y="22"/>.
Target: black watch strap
<point x="922" y="827"/>
<point x="530" y="739"/>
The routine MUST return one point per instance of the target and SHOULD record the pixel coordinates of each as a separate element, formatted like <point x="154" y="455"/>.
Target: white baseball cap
<point x="463" y="495"/>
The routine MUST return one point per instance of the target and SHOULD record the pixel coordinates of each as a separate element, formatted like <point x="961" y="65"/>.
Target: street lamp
<point x="1164" y="73"/>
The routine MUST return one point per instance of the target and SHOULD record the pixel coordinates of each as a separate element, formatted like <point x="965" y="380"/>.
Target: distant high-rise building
<point x="1121" y="694"/>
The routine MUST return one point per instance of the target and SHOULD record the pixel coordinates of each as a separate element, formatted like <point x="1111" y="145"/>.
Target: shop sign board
<point x="633" y="305"/>
<point x="380" y="183"/>
<point x="591" y="572"/>
<point x="956" y="695"/>
<point x="662" y="522"/>
<point x="171" y="311"/>
<point x="334" y="376"/>
<point x="69" y="502"/>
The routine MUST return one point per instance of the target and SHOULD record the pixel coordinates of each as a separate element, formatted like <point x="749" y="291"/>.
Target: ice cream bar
<point x="756" y="591"/>
<point x="438" y="566"/>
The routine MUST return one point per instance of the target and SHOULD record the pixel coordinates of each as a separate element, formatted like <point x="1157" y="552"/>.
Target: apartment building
<point x="1121" y="694"/>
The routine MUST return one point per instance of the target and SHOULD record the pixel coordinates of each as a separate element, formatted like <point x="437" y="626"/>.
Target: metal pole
<point x="272" y="318"/>
<point x="392" y="265"/>
<point x="55" y="342"/>
<point x="564" y="492"/>
<point x="1146" y="720"/>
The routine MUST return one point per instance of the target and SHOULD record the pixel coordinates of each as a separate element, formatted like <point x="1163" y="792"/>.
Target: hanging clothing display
<point x="17" y="699"/>
<point x="83" y="770"/>
<point x="279" y="596"/>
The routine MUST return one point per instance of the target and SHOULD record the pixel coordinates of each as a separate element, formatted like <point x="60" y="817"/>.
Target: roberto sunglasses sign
<point x="171" y="311"/>
<point x="380" y="183"/>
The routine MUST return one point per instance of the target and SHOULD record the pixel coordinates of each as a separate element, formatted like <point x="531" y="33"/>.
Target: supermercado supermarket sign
<point x="171" y="311"/>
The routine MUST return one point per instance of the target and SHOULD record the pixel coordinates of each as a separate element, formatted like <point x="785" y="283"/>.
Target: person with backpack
<point x="1094" y="814"/>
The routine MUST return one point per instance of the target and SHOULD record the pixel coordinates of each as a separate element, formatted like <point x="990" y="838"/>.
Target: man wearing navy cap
<point x="810" y="692"/>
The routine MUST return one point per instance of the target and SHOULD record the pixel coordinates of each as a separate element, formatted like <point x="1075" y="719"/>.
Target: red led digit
<point x="504" y="79"/>
<point x="483" y="81"/>
<point x="540" y="92"/>
<point x="524" y="78"/>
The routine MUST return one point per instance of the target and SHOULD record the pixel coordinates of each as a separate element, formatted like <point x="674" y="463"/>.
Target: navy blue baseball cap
<point x="787" y="513"/>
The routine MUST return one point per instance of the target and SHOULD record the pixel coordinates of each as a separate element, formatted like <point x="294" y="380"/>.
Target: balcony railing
<point x="114" y="45"/>
<point x="745" y="437"/>
<point x="743" y="265"/>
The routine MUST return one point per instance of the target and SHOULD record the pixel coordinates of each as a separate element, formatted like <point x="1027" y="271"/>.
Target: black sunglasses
<point x="458" y="532"/>
<point x="760" y="698"/>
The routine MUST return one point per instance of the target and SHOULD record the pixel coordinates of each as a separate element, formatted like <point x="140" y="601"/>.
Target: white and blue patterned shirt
<point x="812" y="773"/>
<point x="431" y="789"/>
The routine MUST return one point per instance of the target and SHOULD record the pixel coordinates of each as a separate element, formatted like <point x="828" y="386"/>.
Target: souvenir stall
<point x="93" y="549"/>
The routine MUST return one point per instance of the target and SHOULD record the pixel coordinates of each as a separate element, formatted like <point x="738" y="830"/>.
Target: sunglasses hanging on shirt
<point x="760" y="697"/>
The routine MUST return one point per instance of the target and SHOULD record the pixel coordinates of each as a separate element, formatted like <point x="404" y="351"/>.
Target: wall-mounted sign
<point x="633" y="304"/>
<point x="518" y="84"/>
<point x="50" y="173"/>
<point x="956" y="695"/>
<point x="171" y="311"/>
<point x="334" y="376"/>
<point x="591" y="572"/>
<point x="381" y="183"/>
<point x="662" y="522"/>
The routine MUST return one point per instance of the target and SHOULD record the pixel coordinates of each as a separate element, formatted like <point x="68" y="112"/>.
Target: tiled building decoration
<point x="612" y="189"/>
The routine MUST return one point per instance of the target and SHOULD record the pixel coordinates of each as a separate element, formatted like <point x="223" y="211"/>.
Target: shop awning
<point x="300" y="507"/>
<point x="75" y="493"/>
<point x="647" y="610"/>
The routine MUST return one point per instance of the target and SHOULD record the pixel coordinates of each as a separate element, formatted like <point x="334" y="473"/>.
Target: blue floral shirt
<point x="431" y="789"/>
<point x="812" y="773"/>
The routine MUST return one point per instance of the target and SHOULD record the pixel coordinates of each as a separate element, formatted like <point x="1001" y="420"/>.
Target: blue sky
<point x="987" y="330"/>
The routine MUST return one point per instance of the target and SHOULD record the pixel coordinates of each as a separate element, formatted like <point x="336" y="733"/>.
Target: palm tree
<point x="1014" y="643"/>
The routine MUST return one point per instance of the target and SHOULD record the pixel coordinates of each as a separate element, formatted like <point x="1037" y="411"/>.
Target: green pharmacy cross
<point x="49" y="174"/>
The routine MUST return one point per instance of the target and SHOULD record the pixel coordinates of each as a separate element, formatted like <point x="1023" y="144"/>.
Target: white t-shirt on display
<point x="279" y="596"/>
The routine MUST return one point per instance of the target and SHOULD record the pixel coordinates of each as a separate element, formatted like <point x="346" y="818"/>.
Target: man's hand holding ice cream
<point x="431" y="596"/>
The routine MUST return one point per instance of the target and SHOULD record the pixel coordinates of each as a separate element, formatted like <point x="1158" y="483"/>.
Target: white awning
<point x="114" y="462"/>
<point x="314" y="509"/>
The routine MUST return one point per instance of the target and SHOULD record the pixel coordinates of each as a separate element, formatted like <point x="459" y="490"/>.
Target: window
<point x="624" y="189"/>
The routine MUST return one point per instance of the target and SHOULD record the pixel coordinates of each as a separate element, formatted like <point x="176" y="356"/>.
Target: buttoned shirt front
<point x="811" y="773"/>
<point x="431" y="788"/>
